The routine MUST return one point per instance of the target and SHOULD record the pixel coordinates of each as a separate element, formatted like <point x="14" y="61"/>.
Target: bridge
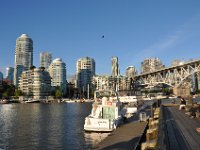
<point x="174" y="76"/>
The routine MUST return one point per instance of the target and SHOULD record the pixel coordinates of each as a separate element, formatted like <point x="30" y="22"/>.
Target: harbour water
<point x="44" y="126"/>
<point x="47" y="126"/>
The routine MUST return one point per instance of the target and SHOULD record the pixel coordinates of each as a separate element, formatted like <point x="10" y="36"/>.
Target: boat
<point x="107" y="112"/>
<point x="32" y="101"/>
<point x="4" y="101"/>
<point x="69" y="101"/>
<point x="130" y="105"/>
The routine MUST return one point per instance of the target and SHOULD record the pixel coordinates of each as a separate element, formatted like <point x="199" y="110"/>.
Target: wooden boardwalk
<point x="127" y="136"/>
<point x="177" y="130"/>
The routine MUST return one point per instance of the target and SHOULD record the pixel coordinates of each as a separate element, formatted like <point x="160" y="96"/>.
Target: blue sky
<point x="71" y="29"/>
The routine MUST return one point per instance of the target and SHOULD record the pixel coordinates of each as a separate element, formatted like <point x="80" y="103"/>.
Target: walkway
<point x="125" y="137"/>
<point x="177" y="131"/>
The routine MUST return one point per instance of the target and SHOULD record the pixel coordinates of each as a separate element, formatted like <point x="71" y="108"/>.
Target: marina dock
<point x="176" y="131"/>
<point x="126" y="136"/>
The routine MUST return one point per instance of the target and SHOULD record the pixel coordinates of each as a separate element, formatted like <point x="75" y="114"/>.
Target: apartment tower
<point x="57" y="71"/>
<point x="23" y="56"/>
<point x="85" y="70"/>
<point x="151" y="64"/>
<point x="115" y="67"/>
<point x="10" y="74"/>
<point x="45" y="59"/>
<point x="130" y="72"/>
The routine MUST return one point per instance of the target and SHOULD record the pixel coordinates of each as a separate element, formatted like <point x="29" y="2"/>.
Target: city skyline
<point x="130" y="30"/>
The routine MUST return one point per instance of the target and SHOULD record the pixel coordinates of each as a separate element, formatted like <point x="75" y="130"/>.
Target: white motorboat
<point x="107" y="112"/>
<point x="32" y="101"/>
<point x="130" y="105"/>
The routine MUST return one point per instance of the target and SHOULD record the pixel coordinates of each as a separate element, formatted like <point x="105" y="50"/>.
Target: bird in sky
<point x="102" y="36"/>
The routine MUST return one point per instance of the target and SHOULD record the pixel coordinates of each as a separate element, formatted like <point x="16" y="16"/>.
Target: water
<point x="44" y="126"/>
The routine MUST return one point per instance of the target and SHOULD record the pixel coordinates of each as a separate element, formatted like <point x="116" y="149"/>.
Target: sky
<point x="71" y="29"/>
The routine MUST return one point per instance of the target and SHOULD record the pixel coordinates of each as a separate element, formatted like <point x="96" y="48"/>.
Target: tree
<point x="5" y="94"/>
<point x="18" y="93"/>
<point x="58" y="93"/>
<point x="6" y="90"/>
<point x="32" y="68"/>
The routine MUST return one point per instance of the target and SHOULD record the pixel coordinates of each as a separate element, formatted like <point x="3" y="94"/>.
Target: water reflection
<point x="95" y="138"/>
<point x="43" y="126"/>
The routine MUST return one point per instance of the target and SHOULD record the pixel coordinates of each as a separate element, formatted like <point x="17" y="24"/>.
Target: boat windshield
<point x="101" y="94"/>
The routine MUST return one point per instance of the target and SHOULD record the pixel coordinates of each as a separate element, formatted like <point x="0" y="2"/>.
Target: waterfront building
<point x="45" y="59"/>
<point x="115" y="67"/>
<point x="115" y="81"/>
<point x="57" y="71"/>
<point x="130" y="72"/>
<point x="101" y="82"/>
<point x="1" y="76"/>
<point x="85" y="70"/>
<point x="23" y="56"/>
<point x="151" y="64"/>
<point x="118" y="83"/>
<point x="35" y="83"/>
<point x="10" y="74"/>
<point x="104" y="82"/>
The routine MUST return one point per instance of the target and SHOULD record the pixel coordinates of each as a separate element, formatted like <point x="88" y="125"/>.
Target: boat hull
<point x="32" y="101"/>
<point x="99" y="125"/>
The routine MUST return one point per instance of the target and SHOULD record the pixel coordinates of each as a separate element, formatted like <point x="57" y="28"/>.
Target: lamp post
<point x="88" y="91"/>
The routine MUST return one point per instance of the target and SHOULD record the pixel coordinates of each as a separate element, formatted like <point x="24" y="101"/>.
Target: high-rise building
<point x="1" y="76"/>
<point x="57" y="71"/>
<point x="45" y="59"/>
<point x="23" y="56"/>
<point x="85" y="70"/>
<point x="10" y="74"/>
<point x="131" y="72"/>
<point x="177" y="62"/>
<point x="151" y="64"/>
<point x="102" y="82"/>
<point x="115" y="67"/>
<point x="35" y="83"/>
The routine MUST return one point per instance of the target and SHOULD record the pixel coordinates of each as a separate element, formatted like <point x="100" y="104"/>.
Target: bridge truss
<point x="174" y="76"/>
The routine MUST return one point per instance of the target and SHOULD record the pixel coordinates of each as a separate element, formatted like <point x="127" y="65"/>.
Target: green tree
<point x="58" y="93"/>
<point x="6" y="90"/>
<point x="18" y="93"/>
<point x="5" y="94"/>
<point x="32" y="68"/>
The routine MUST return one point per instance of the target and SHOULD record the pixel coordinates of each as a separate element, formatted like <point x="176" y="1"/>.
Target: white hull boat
<point x="107" y="113"/>
<point x="130" y="105"/>
<point x="32" y="101"/>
